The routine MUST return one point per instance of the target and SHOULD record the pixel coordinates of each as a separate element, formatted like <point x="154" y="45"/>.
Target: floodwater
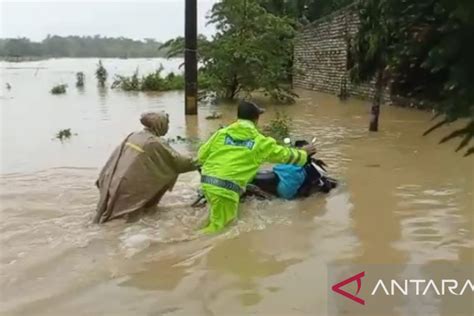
<point x="404" y="199"/>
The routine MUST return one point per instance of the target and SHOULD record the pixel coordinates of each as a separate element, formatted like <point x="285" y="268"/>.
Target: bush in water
<point x="80" y="77"/>
<point x="64" y="134"/>
<point x="154" y="82"/>
<point x="101" y="74"/>
<point x="151" y="82"/>
<point x="127" y="83"/>
<point x="279" y="127"/>
<point x="59" y="89"/>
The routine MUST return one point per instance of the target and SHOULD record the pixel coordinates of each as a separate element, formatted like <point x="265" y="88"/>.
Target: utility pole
<point x="190" y="58"/>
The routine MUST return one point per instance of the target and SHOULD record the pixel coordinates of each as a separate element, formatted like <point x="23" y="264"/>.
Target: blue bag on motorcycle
<point x="291" y="178"/>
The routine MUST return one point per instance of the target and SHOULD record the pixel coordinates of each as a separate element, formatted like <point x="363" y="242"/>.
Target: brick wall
<point x="321" y="51"/>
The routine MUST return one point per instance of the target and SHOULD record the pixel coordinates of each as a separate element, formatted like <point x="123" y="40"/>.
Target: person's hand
<point x="310" y="149"/>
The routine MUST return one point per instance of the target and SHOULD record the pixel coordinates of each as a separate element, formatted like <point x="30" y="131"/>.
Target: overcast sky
<point x="158" y="19"/>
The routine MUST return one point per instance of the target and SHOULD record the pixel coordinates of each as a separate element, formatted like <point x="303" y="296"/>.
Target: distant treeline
<point x="80" y="46"/>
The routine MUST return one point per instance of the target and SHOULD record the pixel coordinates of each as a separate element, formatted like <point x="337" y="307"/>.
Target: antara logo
<point x="406" y="287"/>
<point x="337" y="287"/>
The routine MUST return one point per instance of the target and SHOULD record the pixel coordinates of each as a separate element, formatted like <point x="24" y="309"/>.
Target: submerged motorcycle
<point x="265" y="183"/>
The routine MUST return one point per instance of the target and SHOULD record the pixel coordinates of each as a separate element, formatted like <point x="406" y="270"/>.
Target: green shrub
<point x="279" y="127"/>
<point x="59" y="89"/>
<point x="64" y="134"/>
<point x="174" y="82"/>
<point x="151" y="82"/>
<point x="101" y="74"/>
<point x="127" y="83"/>
<point x="80" y="77"/>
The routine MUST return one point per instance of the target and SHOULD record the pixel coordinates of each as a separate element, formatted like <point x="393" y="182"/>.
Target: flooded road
<point x="403" y="199"/>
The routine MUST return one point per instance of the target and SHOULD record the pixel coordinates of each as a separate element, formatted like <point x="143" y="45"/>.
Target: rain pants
<point x="230" y="160"/>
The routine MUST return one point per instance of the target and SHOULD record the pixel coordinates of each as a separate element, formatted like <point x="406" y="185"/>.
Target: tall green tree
<point x="372" y="51"/>
<point x="451" y="57"/>
<point x="249" y="52"/>
<point x="421" y="49"/>
<point x="250" y="49"/>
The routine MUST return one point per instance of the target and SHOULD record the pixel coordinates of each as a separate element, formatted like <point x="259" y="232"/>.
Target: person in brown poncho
<point x="140" y="170"/>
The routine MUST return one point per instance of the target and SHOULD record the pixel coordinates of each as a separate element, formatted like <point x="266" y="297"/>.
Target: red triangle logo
<point x="337" y="288"/>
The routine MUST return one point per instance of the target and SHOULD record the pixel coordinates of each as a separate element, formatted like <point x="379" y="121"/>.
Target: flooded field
<point x="404" y="199"/>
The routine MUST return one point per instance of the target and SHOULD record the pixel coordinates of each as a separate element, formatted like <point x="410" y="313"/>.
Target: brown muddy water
<point x="403" y="199"/>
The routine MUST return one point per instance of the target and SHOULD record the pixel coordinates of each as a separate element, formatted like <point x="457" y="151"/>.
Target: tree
<point x="303" y="11"/>
<point x="18" y="47"/>
<point x="372" y="51"/>
<point x="251" y="49"/>
<point x="421" y="49"/>
<point x="451" y="58"/>
<point x="175" y="47"/>
<point x="80" y="46"/>
<point x="249" y="52"/>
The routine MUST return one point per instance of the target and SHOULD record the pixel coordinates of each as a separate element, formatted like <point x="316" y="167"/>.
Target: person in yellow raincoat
<point x="140" y="170"/>
<point x="230" y="160"/>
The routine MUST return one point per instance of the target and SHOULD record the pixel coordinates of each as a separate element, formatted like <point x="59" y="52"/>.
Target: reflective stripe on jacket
<point x="235" y="153"/>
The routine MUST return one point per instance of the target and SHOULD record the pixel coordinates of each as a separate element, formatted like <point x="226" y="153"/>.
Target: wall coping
<point x="330" y="16"/>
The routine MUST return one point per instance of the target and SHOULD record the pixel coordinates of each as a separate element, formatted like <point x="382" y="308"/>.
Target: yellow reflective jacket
<point x="235" y="153"/>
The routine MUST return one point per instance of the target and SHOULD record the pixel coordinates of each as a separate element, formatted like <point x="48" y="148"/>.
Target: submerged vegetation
<point x="64" y="134"/>
<point x="151" y="82"/>
<point x="155" y="81"/>
<point x="80" y="77"/>
<point x="416" y="49"/>
<point x="59" y="89"/>
<point x="101" y="74"/>
<point x="279" y="127"/>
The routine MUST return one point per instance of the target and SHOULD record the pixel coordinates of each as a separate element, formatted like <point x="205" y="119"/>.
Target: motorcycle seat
<point x="266" y="180"/>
